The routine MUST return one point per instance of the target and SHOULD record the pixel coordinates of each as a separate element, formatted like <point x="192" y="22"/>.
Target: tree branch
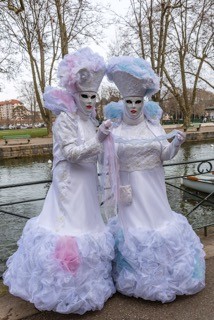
<point x="17" y="10"/>
<point x="201" y="78"/>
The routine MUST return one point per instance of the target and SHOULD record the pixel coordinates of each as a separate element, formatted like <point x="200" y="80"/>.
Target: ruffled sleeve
<point x="65" y="132"/>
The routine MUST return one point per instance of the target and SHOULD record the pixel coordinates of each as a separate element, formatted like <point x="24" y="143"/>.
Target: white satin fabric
<point x="63" y="261"/>
<point x="158" y="255"/>
<point x="71" y="206"/>
<point x="141" y="167"/>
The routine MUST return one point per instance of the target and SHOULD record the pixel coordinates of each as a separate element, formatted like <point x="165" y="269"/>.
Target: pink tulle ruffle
<point x="66" y="252"/>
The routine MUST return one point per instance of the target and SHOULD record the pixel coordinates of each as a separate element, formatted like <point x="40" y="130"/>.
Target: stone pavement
<point x="33" y="141"/>
<point x="196" y="307"/>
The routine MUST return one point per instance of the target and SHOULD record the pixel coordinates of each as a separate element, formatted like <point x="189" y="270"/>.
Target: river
<point x="25" y="170"/>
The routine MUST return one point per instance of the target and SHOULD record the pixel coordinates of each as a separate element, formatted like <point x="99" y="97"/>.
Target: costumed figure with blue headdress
<point x="158" y="255"/>
<point x="63" y="261"/>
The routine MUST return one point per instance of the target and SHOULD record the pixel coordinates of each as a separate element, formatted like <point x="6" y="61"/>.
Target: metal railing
<point x="17" y="185"/>
<point x="207" y="163"/>
<point x="208" y="167"/>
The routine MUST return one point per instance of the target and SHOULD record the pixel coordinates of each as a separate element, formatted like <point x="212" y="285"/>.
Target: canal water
<point x="13" y="171"/>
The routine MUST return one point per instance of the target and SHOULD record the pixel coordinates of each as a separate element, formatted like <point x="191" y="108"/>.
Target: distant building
<point x="6" y="108"/>
<point x="210" y="112"/>
<point x="10" y="110"/>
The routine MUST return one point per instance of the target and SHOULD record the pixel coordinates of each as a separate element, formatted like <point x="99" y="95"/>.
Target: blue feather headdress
<point x="152" y="111"/>
<point x="114" y="111"/>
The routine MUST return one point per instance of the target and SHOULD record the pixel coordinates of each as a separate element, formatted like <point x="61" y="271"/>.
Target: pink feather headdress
<point x="79" y="71"/>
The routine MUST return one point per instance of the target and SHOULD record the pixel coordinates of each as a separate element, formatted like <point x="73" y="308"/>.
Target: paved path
<point x="33" y="141"/>
<point x="205" y="127"/>
<point x="197" y="307"/>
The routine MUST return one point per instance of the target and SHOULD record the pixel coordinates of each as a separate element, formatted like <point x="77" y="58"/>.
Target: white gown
<point x="63" y="261"/>
<point x="158" y="255"/>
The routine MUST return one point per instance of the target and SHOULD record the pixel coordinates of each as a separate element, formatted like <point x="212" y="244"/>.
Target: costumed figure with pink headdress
<point x="63" y="261"/>
<point x="158" y="255"/>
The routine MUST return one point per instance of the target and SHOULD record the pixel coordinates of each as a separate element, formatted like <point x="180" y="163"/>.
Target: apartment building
<point x="13" y="111"/>
<point x="6" y="108"/>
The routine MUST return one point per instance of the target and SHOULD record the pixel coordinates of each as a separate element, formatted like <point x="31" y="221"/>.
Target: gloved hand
<point x="103" y="130"/>
<point x="179" y="138"/>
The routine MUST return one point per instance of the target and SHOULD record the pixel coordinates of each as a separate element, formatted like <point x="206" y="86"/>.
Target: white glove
<point x="103" y="130"/>
<point x="179" y="138"/>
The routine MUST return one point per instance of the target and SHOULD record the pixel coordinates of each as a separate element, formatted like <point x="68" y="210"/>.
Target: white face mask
<point x="86" y="101"/>
<point x="134" y="106"/>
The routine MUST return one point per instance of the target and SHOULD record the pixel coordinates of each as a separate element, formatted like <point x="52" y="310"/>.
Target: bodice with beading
<point x="134" y="154"/>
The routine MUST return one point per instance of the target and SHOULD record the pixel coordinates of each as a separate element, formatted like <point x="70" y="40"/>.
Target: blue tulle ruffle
<point x="159" y="264"/>
<point x="152" y="112"/>
<point x="114" y="111"/>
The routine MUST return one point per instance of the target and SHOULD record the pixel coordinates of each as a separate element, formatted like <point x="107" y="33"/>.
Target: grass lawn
<point x="36" y="132"/>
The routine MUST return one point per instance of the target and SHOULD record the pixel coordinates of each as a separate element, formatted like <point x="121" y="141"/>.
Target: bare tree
<point x="109" y="93"/>
<point x="27" y="96"/>
<point x="19" y="114"/>
<point x="15" y="6"/>
<point x="144" y="33"/>
<point x="9" y="67"/>
<point x="44" y="31"/>
<point x="177" y="37"/>
<point x="35" y="36"/>
<point x="78" y="21"/>
<point x="193" y="44"/>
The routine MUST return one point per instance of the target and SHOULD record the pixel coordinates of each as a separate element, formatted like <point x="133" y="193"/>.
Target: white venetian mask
<point x="86" y="101"/>
<point x="134" y="106"/>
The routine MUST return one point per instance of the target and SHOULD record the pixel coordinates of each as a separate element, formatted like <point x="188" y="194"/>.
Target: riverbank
<point x="202" y="132"/>
<point x="19" y="149"/>
<point x="43" y="146"/>
<point x="119" y="307"/>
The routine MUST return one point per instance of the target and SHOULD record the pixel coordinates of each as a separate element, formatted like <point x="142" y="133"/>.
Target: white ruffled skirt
<point x="158" y="264"/>
<point x="61" y="273"/>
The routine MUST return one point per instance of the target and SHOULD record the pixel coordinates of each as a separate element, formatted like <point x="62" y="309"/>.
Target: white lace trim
<point x="137" y="157"/>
